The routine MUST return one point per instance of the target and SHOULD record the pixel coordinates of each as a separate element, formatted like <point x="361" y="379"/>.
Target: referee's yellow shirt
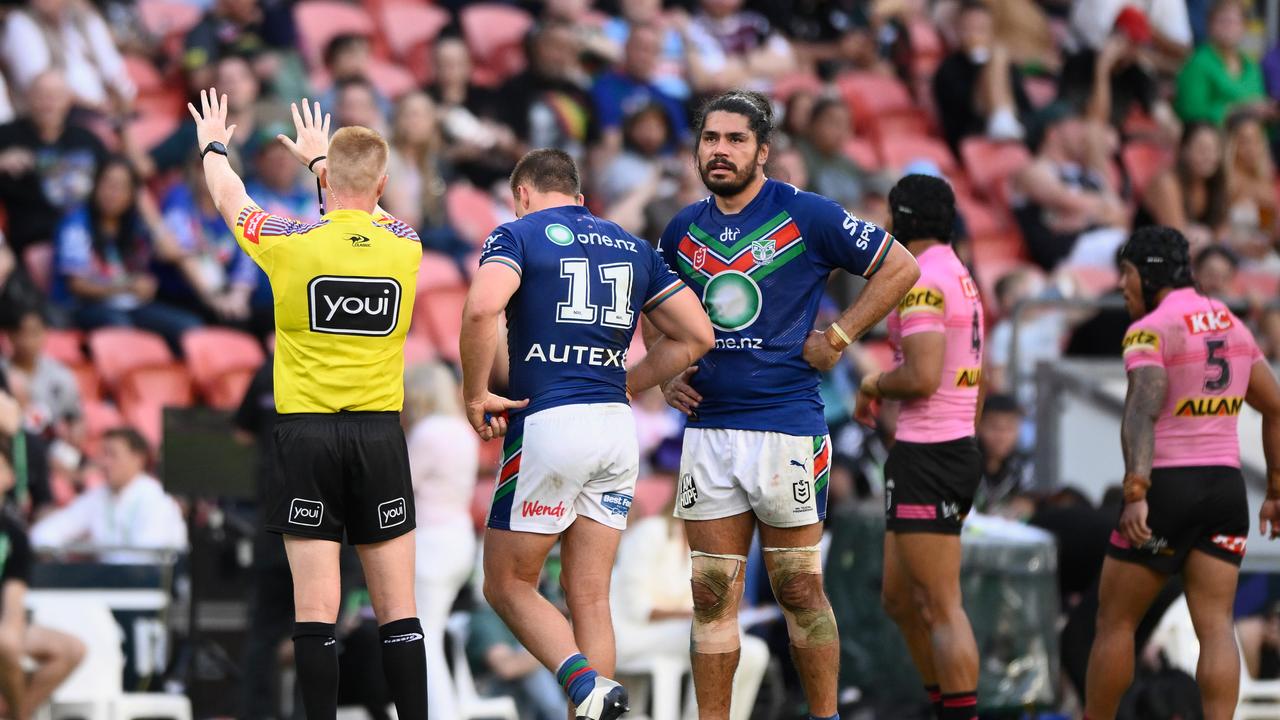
<point x="344" y="290"/>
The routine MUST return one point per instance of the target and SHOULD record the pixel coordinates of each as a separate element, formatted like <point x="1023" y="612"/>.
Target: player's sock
<point x="404" y="662"/>
<point x="577" y="677"/>
<point x="315" y="655"/>
<point x="960" y="706"/>
<point x="833" y="717"/>
<point x="935" y="699"/>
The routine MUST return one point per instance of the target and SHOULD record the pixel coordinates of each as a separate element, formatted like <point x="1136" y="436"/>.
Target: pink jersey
<point x="1208" y="355"/>
<point x="944" y="300"/>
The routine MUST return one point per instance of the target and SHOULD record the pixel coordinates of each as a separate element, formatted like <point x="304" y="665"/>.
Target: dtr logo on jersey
<point x="729" y="236"/>
<point x="559" y="234"/>
<point x="1208" y="321"/>
<point x="353" y="305"/>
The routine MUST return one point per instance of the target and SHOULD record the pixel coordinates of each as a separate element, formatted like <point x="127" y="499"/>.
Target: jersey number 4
<point x="578" y="308"/>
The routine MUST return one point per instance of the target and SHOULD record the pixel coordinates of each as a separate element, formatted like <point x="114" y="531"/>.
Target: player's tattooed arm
<point x="1148" y="386"/>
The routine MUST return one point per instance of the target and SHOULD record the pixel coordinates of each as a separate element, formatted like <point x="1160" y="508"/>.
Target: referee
<point x="344" y="290"/>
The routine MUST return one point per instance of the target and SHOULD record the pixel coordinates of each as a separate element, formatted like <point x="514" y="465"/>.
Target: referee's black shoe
<point x="608" y="700"/>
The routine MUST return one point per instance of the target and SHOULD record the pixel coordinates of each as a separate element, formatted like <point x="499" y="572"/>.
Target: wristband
<point x="1135" y="488"/>
<point x="834" y="340"/>
<point x="839" y="331"/>
<point x="311" y="166"/>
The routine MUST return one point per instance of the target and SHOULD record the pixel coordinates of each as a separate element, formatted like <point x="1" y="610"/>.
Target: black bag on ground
<point x="1164" y="694"/>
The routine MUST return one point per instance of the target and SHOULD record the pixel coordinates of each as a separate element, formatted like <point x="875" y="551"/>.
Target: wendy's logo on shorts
<point x="306" y="512"/>
<point x="392" y="513"/>
<point x="353" y="305"/>
<point x="535" y="508"/>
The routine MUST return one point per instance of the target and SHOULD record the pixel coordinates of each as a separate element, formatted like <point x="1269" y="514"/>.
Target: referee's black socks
<point x="404" y="661"/>
<point x="315" y="655"/>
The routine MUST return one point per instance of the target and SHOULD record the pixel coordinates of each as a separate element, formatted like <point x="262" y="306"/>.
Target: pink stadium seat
<point x="990" y="164"/>
<point x="1143" y="161"/>
<point x="438" y="271"/>
<point x="871" y="94"/>
<point x="788" y="85"/>
<point x="65" y="346"/>
<point x="927" y="47"/>
<point x="407" y="24"/>
<point x="1091" y="280"/>
<point x="38" y="259"/>
<point x="99" y="417"/>
<point x="1264" y="285"/>
<point x="864" y="153"/>
<point x="391" y="79"/>
<point x="652" y="495"/>
<point x="981" y="219"/>
<point x="144" y="74"/>
<point x="900" y="151"/>
<point x="87" y="380"/>
<point x="168" y="17"/>
<point x="495" y="34"/>
<point x="439" y="314"/>
<point x="162" y="385"/>
<point x="148" y="418"/>
<point x="222" y="363"/>
<point x="148" y="131"/>
<point x="471" y="211"/>
<point x="418" y="349"/>
<point x="118" y="350"/>
<point x="319" y="21"/>
<point x="910" y="123"/>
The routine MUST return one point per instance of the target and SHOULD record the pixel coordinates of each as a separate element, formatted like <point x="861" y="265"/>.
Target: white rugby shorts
<point x="781" y="478"/>
<point x="567" y="461"/>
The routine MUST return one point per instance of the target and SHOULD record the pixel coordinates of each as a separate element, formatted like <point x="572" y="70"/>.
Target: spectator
<point x="1269" y="333"/>
<point x="261" y="32"/>
<point x="830" y="36"/>
<point x="1191" y="196"/>
<point x="754" y="54"/>
<point x="652" y="605"/>
<point x="129" y="516"/>
<point x="1064" y="201"/>
<point x="1251" y="189"/>
<point x="54" y="654"/>
<point x="53" y="396"/>
<point x="643" y="171"/>
<point x="479" y="148"/>
<point x="47" y="165"/>
<point x="1006" y="470"/>
<point x="356" y="103"/>
<point x="544" y="105"/>
<point x="1040" y="335"/>
<point x="444" y="460"/>
<point x="70" y="36"/>
<point x="212" y="277"/>
<point x="417" y="163"/>
<point x="672" y="62"/>
<point x="1219" y="77"/>
<point x="1116" y="77"/>
<point x="347" y="57"/>
<point x="619" y="93"/>
<point x="976" y="89"/>
<point x="103" y="258"/>
<point x="1214" y="270"/>
<point x="497" y="655"/>
<point x="830" y="171"/>
<point x="1093" y="23"/>
<point x="31" y="492"/>
<point x="6" y="102"/>
<point x="798" y="112"/>
<point x="788" y="166"/>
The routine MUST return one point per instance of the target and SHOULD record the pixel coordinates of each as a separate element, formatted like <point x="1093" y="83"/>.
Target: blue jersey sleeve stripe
<point x="505" y="261"/>
<point x="881" y="254"/>
<point x="663" y="295"/>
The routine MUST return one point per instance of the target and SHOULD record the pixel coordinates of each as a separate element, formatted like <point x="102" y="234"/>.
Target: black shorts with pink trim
<point x="1201" y="508"/>
<point x="929" y="487"/>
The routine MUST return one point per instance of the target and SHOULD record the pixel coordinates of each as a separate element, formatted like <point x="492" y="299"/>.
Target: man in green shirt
<point x="1219" y="77"/>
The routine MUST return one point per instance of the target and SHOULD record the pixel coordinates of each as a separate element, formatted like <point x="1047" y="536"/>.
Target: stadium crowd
<point x="1061" y="125"/>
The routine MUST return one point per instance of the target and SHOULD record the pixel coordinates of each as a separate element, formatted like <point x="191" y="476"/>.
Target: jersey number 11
<point x="578" y="308"/>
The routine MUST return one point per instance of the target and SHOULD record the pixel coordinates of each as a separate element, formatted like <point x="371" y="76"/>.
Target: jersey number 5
<point x="578" y="308"/>
<point x="1219" y="380"/>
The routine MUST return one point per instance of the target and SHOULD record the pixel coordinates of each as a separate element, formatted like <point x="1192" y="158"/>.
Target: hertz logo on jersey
<point x="1140" y="340"/>
<point x="1209" y="407"/>
<point x="968" y="377"/>
<point x="921" y="299"/>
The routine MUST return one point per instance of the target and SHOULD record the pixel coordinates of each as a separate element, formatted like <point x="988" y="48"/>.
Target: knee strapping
<point x="717" y="590"/>
<point x="796" y="576"/>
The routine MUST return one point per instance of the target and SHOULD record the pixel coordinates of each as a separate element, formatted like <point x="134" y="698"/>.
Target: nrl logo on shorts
<point x="699" y="258"/>
<point x="801" y="491"/>
<point x="763" y="251"/>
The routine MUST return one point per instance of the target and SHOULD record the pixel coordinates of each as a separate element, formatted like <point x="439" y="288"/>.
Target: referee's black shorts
<point x="341" y="471"/>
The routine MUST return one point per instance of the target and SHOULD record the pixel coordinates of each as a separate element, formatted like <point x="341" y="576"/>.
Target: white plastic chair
<point x="94" y="691"/>
<point x="666" y="679"/>
<point x="470" y="705"/>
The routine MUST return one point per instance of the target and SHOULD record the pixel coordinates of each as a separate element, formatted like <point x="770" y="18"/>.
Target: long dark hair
<point x="128" y="239"/>
<point x="1215" y="211"/>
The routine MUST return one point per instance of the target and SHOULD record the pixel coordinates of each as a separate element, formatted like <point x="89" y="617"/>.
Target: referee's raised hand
<point x="312" y="128"/>
<point x="211" y="118"/>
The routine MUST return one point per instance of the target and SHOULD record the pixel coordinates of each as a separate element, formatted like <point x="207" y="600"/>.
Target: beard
<point x="727" y="187"/>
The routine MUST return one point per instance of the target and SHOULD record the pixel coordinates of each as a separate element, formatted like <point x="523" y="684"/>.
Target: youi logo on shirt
<point x="353" y="305"/>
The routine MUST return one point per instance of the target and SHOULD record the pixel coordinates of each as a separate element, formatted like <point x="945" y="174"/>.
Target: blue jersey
<point x="583" y="283"/>
<point x="761" y="273"/>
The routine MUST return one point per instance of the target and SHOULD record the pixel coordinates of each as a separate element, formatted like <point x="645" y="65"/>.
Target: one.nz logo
<point x="353" y="305"/>
<point x="359" y="241"/>
<point x="688" y="491"/>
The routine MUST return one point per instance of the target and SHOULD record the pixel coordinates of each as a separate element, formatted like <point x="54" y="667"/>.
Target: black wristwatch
<point x="214" y="147"/>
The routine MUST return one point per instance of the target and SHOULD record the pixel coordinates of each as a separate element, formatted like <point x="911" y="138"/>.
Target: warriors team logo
<point x="699" y="258"/>
<point x="763" y="251"/>
<point x="732" y="301"/>
<point x="559" y="234"/>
